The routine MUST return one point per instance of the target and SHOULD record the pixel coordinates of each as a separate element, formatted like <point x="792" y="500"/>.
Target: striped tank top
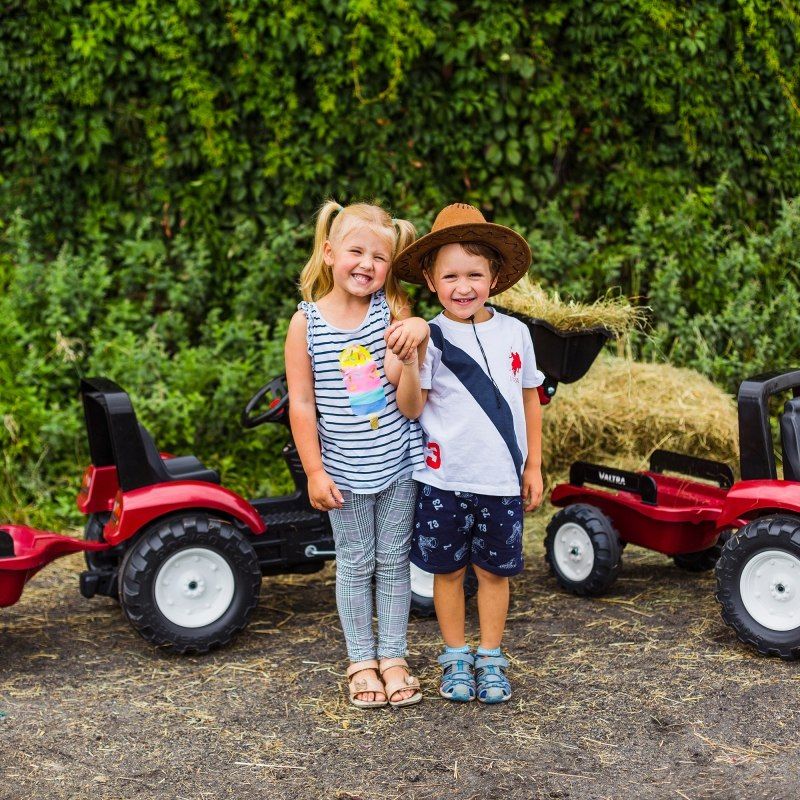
<point x="366" y="442"/>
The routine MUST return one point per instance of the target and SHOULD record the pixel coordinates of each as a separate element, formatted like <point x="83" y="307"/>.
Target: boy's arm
<point x="532" y="484"/>
<point x="403" y="336"/>
<point x="322" y="491"/>
<point x="410" y="396"/>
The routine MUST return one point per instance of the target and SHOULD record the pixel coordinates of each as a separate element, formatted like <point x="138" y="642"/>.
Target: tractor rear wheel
<point x="583" y="549"/>
<point x="189" y="584"/>
<point x="758" y="585"/>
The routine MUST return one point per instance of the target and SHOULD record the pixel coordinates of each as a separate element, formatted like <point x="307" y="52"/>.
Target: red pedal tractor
<point x="183" y="555"/>
<point x="749" y="530"/>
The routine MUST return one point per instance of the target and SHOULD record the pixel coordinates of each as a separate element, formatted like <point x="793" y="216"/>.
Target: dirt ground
<point x="642" y="694"/>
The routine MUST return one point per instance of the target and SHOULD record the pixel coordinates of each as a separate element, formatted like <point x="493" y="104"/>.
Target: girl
<point x="358" y="451"/>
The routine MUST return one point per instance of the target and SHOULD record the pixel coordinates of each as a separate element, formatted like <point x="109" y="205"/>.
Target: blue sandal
<point x="490" y="676"/>
<point x="458" y="679"/>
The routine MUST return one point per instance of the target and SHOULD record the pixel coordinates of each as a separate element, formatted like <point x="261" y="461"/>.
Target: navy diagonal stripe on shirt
<point x="480" y="386"/>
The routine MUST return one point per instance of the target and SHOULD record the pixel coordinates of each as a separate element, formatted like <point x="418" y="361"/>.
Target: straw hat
<point x="464" y="223"/>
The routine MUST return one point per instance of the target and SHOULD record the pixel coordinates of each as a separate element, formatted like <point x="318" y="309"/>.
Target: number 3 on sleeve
<point x="434" y="458"/>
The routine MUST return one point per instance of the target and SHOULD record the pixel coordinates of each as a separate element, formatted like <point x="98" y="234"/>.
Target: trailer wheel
<point x="758" y="585"/>
<point x="703" y="560"/>
<point x="583" y="549"/>
<point x="422" y="590"/>
<point x="190" y="584"/>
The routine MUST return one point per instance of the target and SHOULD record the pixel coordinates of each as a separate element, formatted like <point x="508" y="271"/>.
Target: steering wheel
<point x="276" y="396"/>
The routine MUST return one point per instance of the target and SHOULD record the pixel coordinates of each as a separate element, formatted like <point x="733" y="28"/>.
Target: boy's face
<point x="462" y="283"/>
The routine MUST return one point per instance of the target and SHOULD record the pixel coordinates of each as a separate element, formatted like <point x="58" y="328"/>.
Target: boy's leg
<point x="492" y="607"/>
<point x="394" y="513"/>
<point x="354" y="535"/>
<point x="448" y="600"/>
<point x="496" y="555"/>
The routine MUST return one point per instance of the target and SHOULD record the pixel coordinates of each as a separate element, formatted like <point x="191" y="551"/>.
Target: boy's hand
<point x="405" y="336"/>
<point x="323" y="492"/>
<point x="532" y="487"/>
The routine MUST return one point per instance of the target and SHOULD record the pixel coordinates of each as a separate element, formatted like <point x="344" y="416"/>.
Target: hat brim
<point x="514" y="251"/>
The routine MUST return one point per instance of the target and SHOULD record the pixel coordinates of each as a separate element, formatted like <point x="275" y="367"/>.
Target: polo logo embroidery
<point x="516" y="365"/>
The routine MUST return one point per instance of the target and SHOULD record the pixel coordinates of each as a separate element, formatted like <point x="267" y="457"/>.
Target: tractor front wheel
<point x="189" y="584"/>
<point x="583" y="549"/>
<point x="758" y="585"/>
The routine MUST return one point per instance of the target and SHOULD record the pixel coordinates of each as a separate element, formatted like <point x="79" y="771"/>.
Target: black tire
<point x="93" y="532"/>
<point x="703" y="560"/>
<point x="593" y="572"/>
<point x="422" y="603"/>
<point x="104" y="561"/>
<point x="217" y="542"/>
<point x="743" y="553"/>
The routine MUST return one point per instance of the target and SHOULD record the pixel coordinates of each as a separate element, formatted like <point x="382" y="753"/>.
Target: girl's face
<point x="359" y="261"/>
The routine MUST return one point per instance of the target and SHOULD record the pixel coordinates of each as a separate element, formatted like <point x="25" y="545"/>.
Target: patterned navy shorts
<point x="453" y="529"/>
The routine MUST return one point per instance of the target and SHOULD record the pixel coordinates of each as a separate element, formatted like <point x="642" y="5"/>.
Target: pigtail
<point x="407" y="233"/>
<point x="396" y="296"/>
<point x="315" y="278"/>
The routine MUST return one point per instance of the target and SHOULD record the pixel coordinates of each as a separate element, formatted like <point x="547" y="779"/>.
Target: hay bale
<point x="622" y="410"/>
<point x="613" y="312"/>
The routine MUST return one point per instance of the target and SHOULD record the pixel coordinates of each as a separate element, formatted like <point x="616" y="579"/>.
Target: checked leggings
<point x="372" y="533"/>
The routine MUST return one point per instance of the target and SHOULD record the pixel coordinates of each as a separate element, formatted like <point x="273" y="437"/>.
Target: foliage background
<point x="160" y="165"/>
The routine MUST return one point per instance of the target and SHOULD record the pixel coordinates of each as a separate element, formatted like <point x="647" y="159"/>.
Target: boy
<point x="475" y="397"/>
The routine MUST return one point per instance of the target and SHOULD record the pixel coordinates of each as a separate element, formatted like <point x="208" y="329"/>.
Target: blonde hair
<point x="334" y="222"/>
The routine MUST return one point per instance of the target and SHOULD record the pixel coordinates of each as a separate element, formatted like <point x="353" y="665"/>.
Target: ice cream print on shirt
<point x="363" y="382"/>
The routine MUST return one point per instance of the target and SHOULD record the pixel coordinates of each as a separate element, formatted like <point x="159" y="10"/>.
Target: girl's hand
<point x="404" y="337"/>
<point x="532" y="487"/>
<point x="323" y="492"/>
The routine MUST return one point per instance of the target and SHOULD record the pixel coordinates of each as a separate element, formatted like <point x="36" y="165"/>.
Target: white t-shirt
<point x="475" y="437"/>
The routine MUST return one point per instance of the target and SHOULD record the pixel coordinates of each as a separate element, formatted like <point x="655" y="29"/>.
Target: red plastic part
<point x="748" y="499"/>
<point x="686" y="519"/>
<point x="34" y="549"/>
<point x="97" y="491"/>
<point x="141" y="506"/>
<point x="544" y="398"/>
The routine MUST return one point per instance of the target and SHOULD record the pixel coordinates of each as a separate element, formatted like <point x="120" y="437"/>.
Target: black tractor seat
<point x="179" y="468"/>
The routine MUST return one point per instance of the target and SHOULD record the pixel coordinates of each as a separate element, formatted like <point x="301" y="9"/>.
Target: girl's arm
<point x="532" y="485"/>
<point x="322" y="491"/>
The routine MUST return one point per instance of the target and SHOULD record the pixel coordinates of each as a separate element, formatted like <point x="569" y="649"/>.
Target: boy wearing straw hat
<point x="475" y="397"/>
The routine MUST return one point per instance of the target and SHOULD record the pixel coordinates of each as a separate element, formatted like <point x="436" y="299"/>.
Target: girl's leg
<point x="354" y="534"/>
<point x="394" y="514"/>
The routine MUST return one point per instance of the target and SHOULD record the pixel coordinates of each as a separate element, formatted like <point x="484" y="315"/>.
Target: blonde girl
<point x="358" y="450"/>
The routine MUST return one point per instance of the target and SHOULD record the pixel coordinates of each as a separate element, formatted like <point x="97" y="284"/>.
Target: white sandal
<point x="365" y="684"/>
<point x="393" y="687"/>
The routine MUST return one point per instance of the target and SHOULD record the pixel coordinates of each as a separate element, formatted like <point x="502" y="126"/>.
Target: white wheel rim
<point x="573" y="552"/>
<point x="770" y="589"/>
<point x="194" y="587"/>
<point x="421" y="582"/>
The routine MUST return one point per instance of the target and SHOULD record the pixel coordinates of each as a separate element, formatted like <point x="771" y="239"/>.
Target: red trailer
<point x="749" y="530"/>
